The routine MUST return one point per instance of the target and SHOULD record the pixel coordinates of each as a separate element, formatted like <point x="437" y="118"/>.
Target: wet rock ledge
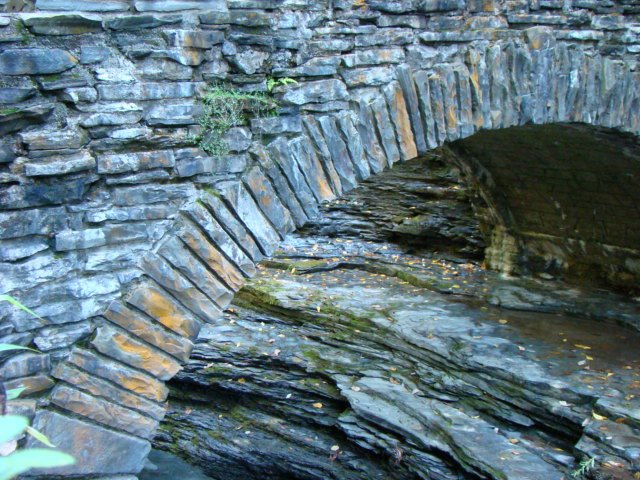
<point x="374" y="345"/>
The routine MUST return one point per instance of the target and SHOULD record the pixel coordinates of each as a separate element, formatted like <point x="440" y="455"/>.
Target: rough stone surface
<point x="95" y="447"/>
<point x="35" y="61"/>
<point x="100" y="167"/>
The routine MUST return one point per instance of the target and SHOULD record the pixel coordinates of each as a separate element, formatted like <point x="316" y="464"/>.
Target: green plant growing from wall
<point x="225" y="108"/>
<point x="276" y="82"/>
<point x="15" y="461"/>
<point x="585" y="467"/>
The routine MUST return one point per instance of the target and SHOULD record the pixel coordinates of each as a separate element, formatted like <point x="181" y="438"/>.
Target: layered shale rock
<point x="350" y="356"/>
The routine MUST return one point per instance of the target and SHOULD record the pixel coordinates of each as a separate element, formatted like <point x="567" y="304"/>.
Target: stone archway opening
<point x="557" y="200"/>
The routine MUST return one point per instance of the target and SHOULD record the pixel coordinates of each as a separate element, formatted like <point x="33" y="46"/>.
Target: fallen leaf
<point x="335" y="448"/>
<point x="503" y="321"/>
<point x="514" y="441"/>
<point x="598" y="417"/>
<point x="318" y="405"/>
<point x="583" y="347"/>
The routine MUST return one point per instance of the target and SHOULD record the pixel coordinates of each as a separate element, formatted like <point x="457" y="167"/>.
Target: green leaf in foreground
<point x="24" y="460"/>
<point x="11" y="427"/>
<point x="41" y="437"/>
<point x="15" y="393"/>
<point x="4" y="347"/>
<point x="17" y="304"/>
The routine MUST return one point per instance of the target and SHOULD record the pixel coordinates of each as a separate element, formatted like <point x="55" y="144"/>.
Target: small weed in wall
<point x="225" y="108"/>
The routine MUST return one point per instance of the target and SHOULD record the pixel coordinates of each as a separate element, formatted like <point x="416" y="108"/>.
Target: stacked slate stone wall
<point x="126" y="238"/>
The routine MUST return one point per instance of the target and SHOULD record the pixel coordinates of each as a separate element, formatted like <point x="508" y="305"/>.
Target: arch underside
<point x="110" y="391"/>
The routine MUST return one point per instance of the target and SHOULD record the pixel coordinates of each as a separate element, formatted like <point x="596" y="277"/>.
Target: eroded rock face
<point x="366" y="349"/>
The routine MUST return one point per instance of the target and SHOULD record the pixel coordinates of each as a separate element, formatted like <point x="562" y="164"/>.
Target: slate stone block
<point x="282" y="154"/>
<point x="193" y="38"/>
<point x="368" y="77"/>
<point x="175" y="252"/>
<point x="314" y="133"/>
<point x="339" y="153"/>
<point x="181" y="288"/>
<point x="93" y="447"/>
<point x="133" y="162"/>
<point x="101" y="388"/>
<point x="122" y="347"/>
<point x="307" y="159"/>
<point x="401" y="122"/>
<point x="178" y="5"/>
<point x="149" y="90"/>
<point x="32" y="385"/>
<point x="280" y="184"/>
<point x="214" y="204"/>
<point x="24" y="364"/>
<point x="145" y="329"/>
<point x="62" y="166"/>
<point x="83" y="5"/>
<point x="10" y="95"/>
<point x="276" y="125"/>
<point x="63" y="24"/>
<point x="125" y="377"/>
<point x="316" y="92"/>
<point x="159" y="305"/>
<point x="219" y="237"/>
<point x="211" y="255"/>
<point x="103" y="411"/>
<point x="268" y="200"/>
<point x="137" y="22"/>
<point x="36" y="61"/>
<point x="407" y="84"/>
<point x="354" y="144"/>
<point x="32" y="222"/>
<point x="246" y="209"/>
<point x="51" y="338"/>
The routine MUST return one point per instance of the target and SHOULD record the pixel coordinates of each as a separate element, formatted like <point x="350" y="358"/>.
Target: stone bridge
<point x="126" y="238"/>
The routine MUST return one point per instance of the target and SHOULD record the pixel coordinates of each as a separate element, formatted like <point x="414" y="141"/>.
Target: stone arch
<point x="204" y="238"/>
<point x="549" y="202"/>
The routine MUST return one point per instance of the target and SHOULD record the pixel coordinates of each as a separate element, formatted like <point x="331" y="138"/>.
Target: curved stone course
<point x="126" y="238"/>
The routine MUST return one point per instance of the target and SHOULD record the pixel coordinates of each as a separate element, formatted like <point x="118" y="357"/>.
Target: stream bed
<point x="374" y="345"/>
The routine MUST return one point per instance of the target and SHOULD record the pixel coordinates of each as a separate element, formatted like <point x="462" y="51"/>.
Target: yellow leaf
<point x="242" y="380"/>
<point x="503" y="321"/>
<point x="318" y="405"/>
<point x="598" y="417"/>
